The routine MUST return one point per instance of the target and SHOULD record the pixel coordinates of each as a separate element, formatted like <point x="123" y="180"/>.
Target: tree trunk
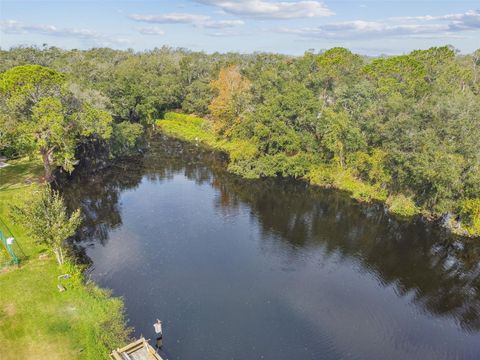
<point x="341" y="156"/>
<point x="47" y="164"/>
<point x="58" y="255"/>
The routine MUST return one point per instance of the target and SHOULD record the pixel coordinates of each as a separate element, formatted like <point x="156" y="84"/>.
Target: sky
<point x="370" y="27"/>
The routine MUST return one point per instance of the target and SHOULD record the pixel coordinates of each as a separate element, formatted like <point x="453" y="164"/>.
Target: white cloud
<point x="183" y="18"/>
<point x="362" y="29"/>
<point x="271" y="9"/>
<point x="172" y="18"/>
<point x="468" y="16"/>
<point x="151" y="31"/>
<point x="222" y="24"/>
<point x="15" y="27"/>
<point x="419" y="26"/>
<point x="456" y="22"/>
<point x="227" y="33"/>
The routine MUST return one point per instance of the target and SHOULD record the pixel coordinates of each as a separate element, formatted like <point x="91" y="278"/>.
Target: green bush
<point x="402" y="205"/>
<point x="192" y="128"/>
<point x="329" y="175"/>
<point x="470" y="215"/>
<point x="371" y="167"/>
<point x="126" y="138"/>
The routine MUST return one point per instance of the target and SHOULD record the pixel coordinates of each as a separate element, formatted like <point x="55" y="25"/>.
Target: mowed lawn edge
<point x="36" y="320"/>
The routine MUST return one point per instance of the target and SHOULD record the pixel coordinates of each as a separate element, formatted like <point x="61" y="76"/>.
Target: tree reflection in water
<point x="440" y="270"/>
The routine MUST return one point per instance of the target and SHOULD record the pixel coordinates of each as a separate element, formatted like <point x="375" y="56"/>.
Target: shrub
<point x="329" y="175"/>
<point x="126" y="138"/>
<point x="402" y="205"/>
<point x="470" y="215"/>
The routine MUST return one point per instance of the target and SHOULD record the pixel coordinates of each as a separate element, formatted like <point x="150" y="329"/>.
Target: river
<point x="271" y="269"/>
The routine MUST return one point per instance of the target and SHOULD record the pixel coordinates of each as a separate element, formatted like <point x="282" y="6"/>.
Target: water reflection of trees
<point x="440" y="272"/>
<point x="97" y="194"/>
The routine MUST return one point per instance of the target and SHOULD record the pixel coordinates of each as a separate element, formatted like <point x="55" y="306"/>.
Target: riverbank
<point x="244" y="161"/>
<point x="36" y="320"/>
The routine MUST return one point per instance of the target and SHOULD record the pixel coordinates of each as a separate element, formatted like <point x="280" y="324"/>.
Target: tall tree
<point x="51" y="131"/>
<point x="231" y="100"/>
<point x="45" y="118"/>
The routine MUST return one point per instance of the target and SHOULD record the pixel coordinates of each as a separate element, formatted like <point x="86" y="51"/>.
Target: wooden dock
<point x="138" y="350"/>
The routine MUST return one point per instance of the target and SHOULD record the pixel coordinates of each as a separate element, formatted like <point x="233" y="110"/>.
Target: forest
<point x="400" y="129"/>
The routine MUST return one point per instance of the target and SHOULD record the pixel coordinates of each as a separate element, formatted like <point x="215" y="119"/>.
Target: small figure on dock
<point x="159" y="334"/>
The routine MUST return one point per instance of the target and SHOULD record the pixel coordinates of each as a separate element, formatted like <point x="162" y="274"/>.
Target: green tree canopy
<point x="46" y="219"/>
<point x="40" y="115"/>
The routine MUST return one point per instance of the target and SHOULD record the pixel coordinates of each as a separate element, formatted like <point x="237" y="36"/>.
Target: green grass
<point x="342" y="179"/>
<point x="402" y="205"/>
<point x="194" y="129"/>
<point x="36" y="320"/>
<point x="470" y="214"/>
<point x="20" y="173"/>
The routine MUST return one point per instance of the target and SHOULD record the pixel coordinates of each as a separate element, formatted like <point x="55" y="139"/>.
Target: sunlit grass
<point x="343" y="179"/>
<point x="21" y="172"/>
<point x="194" y="129"/>
<point x="36" y="320"/>
<point x="402" y="205"/>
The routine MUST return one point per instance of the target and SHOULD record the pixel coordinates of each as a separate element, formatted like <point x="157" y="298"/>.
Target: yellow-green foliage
<point x="245" y="160"/>
<point x="187" y="127"/>
<point x="243" y="154"/>
<point x="343" y="179"/>
<point x="193" y="128"/>
<point x="192" y="119"/>
<point x="470" y="213"/>
<point x="280" y="164"/>
<point x="238" y="149"/>
<point x="36" y="320"/>
<point x="402" y="205"/>
<point x="371" y="167"/>
<point x="365" y="178"/>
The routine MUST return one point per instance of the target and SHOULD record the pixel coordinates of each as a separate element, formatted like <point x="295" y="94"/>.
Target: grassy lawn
<point x="36" y="320"/>
<point x="20" y="172"/>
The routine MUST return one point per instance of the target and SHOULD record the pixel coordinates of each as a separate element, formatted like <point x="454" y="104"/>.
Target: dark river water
<point x="271" y="269"/>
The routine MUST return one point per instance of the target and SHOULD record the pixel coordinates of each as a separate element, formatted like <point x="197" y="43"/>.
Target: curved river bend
<point x="271" y="269"/>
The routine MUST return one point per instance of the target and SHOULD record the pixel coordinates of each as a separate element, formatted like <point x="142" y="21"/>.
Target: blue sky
<point x="292" y="27"/>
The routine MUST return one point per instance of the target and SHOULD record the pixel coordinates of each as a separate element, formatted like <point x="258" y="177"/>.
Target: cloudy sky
<point x="366" y="26"/>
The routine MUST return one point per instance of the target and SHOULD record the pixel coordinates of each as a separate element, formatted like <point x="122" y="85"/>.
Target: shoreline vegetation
<point x="402" y="130"/>
<point x="245" y="161"/>
<point x="36" y="320"/>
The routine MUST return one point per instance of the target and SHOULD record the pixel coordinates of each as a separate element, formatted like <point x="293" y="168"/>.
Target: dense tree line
<point x="407" y="125"/>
